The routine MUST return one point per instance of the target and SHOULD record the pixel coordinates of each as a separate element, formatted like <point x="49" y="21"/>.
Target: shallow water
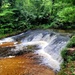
<point x="25" y="64"/>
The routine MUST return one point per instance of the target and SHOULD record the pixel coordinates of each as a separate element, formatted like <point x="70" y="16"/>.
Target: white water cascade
<point x="49" y="45"/>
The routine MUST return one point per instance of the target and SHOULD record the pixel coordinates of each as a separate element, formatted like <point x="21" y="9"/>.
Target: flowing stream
<point x="48" y="44"/>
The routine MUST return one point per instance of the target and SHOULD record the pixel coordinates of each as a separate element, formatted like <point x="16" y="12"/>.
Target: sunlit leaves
<point x="67" y="14"/>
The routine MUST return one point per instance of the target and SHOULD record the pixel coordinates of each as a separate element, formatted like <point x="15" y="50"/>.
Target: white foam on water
<point x="49" y="61"/>
<point x="10" y="39"/>
<point x="51" y="45"/>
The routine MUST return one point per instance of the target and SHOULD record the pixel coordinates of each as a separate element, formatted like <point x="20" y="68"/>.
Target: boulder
<point x="71" y="51"/>
<point x="5" y="48"/>
<point x="8" y="44"/>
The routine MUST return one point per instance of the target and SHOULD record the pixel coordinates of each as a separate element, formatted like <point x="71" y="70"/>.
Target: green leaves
<point x="26" y="14"/>
<point x="6" y="12"/>
<point x="68" y="55"/>
<point x="71" y="42"/>
<point x="67" y="14"/>
<point x="35" y="10"/>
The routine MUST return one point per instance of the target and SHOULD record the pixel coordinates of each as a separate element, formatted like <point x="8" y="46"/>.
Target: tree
<point x="35" y="10"/>
<point x="67" y="14"/>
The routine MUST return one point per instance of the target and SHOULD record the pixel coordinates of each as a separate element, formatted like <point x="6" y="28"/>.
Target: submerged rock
<point x="10" y="49"/>
<point x="5" y="48"/>
<point x="8" y="44"/>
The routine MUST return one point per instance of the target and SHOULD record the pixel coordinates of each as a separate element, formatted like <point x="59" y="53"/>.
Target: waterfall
<point x="49" y="46"/>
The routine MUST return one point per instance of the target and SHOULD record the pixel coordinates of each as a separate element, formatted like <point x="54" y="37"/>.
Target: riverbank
<point x="68" y="54"/>
<point x="11" y="34"/>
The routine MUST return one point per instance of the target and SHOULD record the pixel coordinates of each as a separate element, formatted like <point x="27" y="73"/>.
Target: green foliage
<point x="35" y="11"/>
<point x="45" y="11"/>
<point x="67" y="14"/>
<point x="64" y="52"/>
<point x="6" y="13"/>
<point x="71" y="42"/>
<point x="31" y="14"/>
<point x="11" y="19"/>
<point x="68" y="66"/>
<point x="63" y="14"/>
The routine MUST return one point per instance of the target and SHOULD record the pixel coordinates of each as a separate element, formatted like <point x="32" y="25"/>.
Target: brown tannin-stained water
<point x="23" y="65"/>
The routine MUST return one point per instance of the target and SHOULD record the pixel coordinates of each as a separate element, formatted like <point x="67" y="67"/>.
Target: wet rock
<point x="5" y="48"/>
<point x="8" y="44"/>
<point x="24" y="50"/>
<point x="5" y="51"/>
<point x="10" y="49"/>
<point x="71" y="51"/>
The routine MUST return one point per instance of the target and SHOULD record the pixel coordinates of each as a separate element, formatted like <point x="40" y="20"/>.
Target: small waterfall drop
<point x="49" y="43"/>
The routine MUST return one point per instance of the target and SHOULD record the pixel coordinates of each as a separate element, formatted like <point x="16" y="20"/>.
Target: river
<point x="46" y="45"/>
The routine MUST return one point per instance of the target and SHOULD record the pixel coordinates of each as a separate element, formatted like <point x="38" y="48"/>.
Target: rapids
<point x="49" y="46"/>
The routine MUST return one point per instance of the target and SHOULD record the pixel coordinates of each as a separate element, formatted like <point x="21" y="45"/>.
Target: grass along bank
<point x="68" y="54"/>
